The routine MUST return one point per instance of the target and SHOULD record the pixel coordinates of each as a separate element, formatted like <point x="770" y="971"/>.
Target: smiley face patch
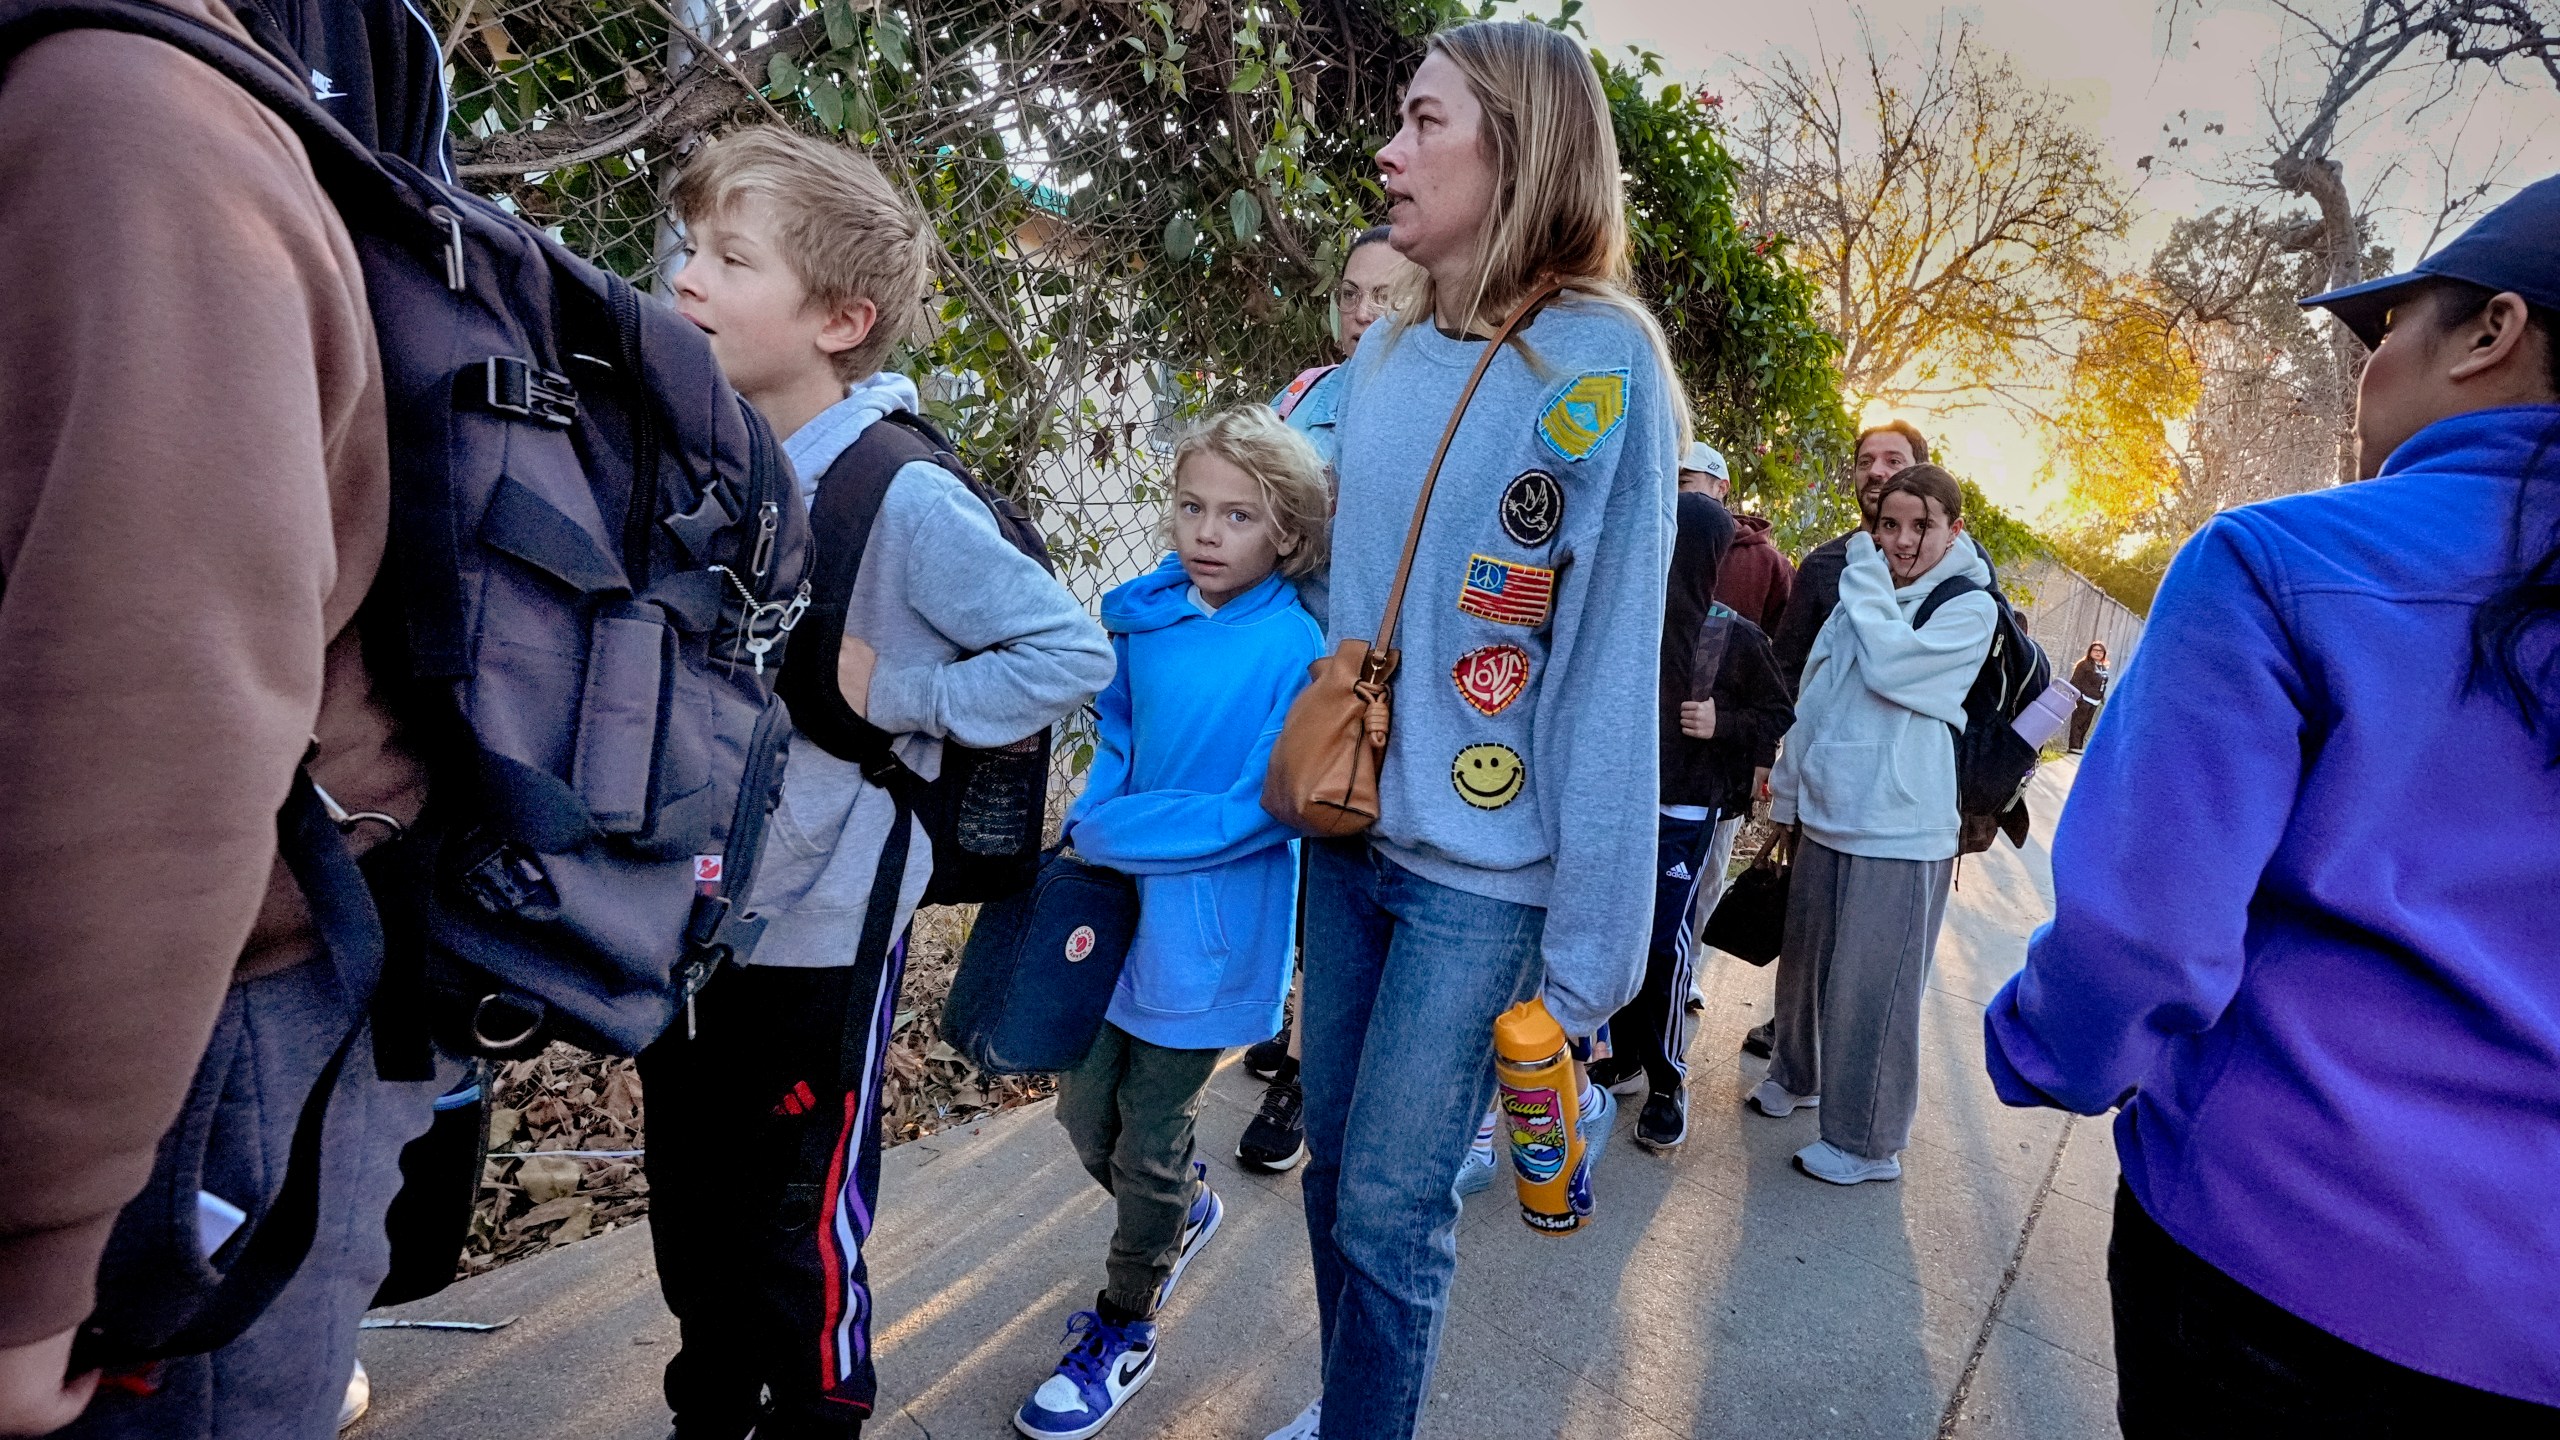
<point x="1488" y="776"/>
<point x="1491" y="677"/>
<point x="1584" y="414"/>
<point x="1532" y="508"/>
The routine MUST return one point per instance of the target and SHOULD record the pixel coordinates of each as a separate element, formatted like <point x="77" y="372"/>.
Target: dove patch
<point x="1532" y="508"/>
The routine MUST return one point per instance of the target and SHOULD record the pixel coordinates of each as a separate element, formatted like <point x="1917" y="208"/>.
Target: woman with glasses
<point x="1364" y="293"/>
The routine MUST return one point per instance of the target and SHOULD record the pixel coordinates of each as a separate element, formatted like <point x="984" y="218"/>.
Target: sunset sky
<point x="2111" y="58"/>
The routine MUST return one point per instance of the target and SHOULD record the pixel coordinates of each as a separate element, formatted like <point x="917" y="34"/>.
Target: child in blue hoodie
<point x="1213" y="647"/>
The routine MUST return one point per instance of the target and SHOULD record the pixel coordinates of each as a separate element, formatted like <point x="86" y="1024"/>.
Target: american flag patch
<point x="1506" y="593"/>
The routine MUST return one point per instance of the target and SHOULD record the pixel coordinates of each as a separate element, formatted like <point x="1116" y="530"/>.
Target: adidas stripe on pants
<point x="1653" y="1028"/>
<point x="764" y="1170"/>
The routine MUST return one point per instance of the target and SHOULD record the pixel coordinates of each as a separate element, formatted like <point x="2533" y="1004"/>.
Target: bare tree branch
<point x="709" y="90"/>
<point x="1949" y="209"/>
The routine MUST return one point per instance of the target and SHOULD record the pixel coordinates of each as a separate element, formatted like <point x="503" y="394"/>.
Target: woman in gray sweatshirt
<point x="1514" y="853"/>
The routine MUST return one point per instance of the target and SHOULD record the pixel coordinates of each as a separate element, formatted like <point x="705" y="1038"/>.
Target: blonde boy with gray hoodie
<point x="1867" y="777"/>
<point x="806" y="266"/>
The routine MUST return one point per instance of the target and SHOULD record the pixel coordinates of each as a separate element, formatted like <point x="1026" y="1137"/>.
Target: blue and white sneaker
<point x="1308" y="1426"/>
<point x="1206" y="1211"/>
<point x="1104" y="1365"/>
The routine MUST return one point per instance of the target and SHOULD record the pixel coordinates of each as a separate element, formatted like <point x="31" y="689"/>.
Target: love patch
<point x="1492" y="677"/>
<point x="1532" y="508"/>
<point x="1488" y="776"/>
<point x="1584" y="414"/>
<point x="1507" y="593"/>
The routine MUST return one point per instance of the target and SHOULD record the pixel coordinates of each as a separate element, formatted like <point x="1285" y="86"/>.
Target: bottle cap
<point x="1526" y="1032"/>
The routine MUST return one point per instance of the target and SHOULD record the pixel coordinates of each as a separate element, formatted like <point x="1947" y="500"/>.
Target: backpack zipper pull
<point x="785" y="616"/>
<point x="452" y="223"/>
<point x="792" y="612"/>
<point x="768" y="521"/>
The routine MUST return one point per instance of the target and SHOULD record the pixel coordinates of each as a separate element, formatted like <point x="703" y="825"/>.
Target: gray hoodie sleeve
<point x="1599" y="722"/>
<point x="1030" y="653"/>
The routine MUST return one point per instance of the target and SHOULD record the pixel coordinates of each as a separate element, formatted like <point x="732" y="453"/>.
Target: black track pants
<point x="764" y="1167"/>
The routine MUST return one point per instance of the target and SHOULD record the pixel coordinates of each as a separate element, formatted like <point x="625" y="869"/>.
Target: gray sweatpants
<point x="1861" y="933"/>
<point x="284" y="1377"/>
<point x="1129" y="1108"/>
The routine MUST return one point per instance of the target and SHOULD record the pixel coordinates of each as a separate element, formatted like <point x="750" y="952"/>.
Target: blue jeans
<point x="1403" y="981"/>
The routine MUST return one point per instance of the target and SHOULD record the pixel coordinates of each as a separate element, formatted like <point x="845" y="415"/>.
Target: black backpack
<point x="594" y="547"/>
<point x="1993" y="763"/>
<point x="986" y="811"/>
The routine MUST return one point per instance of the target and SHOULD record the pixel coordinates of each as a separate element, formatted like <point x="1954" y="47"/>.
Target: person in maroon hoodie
<point x="1755" y="579"/>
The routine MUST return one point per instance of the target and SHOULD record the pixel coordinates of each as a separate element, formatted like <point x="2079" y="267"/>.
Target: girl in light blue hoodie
<point x="1213" y="647"/>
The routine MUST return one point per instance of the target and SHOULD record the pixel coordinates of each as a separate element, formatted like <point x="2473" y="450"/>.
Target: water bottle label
<point x="1538" y="1139"/>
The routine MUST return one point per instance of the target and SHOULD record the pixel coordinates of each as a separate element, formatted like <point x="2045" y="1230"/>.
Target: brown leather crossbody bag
<point x="1324" y="770"/>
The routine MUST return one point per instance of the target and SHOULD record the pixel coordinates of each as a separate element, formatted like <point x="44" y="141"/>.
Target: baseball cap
<point x="1704" y="457"/>
<point x="2514" y="247"/>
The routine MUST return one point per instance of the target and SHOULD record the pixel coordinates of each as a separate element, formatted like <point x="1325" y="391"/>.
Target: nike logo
<point x="1132" y="1368"/>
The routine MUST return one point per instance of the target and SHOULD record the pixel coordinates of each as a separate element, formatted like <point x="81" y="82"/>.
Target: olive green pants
<point x="1129" y="1109"/>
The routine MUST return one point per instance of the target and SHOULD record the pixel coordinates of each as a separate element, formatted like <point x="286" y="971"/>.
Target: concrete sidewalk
<point x="1716" y="1293"/>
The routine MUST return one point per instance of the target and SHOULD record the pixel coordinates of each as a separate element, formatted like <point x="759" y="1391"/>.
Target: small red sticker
<point x="1492" y="677"/>
<point x="1079" y="943"/>
<point x="706" y="869"/>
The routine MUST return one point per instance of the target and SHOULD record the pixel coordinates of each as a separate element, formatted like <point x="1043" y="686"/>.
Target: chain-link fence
<point x="2066" y="612"/>
<point x="1132" y="223"/>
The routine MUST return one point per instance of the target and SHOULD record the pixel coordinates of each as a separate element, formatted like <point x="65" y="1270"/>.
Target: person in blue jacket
<point x="1213" y="647"/>
<point x="2305" y="932"/>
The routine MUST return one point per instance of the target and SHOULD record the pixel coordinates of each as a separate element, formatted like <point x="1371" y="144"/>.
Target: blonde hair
<point x="1559" y="209"/>
<point x="1284" y="467"/>
<point x="843" y="228"/>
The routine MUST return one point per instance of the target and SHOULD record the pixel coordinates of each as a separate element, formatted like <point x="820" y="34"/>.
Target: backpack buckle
<point x="515" y="388"/>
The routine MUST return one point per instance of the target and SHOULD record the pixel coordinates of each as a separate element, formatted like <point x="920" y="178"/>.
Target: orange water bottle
<point x="1541" y="1118"/>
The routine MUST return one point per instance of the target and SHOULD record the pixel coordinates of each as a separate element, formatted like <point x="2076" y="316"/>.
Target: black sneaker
<point x="1277" y="1139"/>
<point x="1619" y="1074"/>
<point x="1664" y="1122"/>
<point x="1757" y="1042"/>
<point x="1271" y="1060"/>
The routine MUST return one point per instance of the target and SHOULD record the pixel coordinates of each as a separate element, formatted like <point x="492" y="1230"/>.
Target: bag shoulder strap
<point x="1431" y="477"/>
<point x="1012" y="521"/>
<point x="1946" y="590"/>
<point x="1301" y="387"/>
<point x="872" y="946"/>
<point x="848" y="503"/>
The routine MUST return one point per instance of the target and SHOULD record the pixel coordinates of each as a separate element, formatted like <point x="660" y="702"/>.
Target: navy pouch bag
<point x="1039" y="969"/>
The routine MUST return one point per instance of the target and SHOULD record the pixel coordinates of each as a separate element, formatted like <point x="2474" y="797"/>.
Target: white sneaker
<point x="1304" y="1427"/>
<point x="1772" y="1099"/>
<point x="359" y="1397"/>
<point x="1825" y="1161"/>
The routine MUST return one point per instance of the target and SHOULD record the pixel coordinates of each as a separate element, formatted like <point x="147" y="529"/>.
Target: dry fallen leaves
<point x="567" y="1099"/>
